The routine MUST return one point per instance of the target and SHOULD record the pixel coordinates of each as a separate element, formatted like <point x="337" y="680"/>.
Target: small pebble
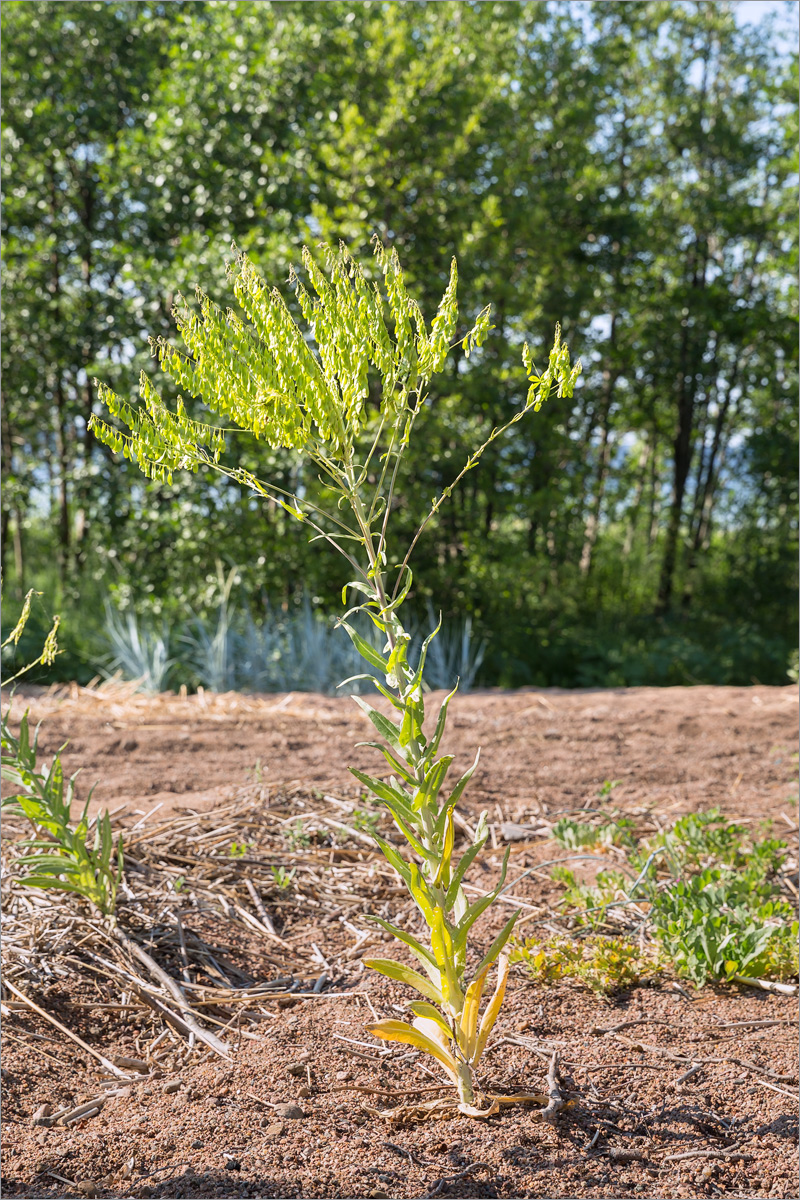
<point x="197" y="1145"/>
<point x="173" y="1085"/>
<point x="40" y="1117"/>
<point x="344" y="1075"/>
<point x="232" y="1164"/>
<point x="303" y="1092"/>
<point x="292" y="1112"/>
<point x="273" y="1130"/>
<point x="86" y="1187"/>
<point x="297" y="1069"/>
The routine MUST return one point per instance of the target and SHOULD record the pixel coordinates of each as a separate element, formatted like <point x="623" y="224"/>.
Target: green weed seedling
<point x="587" y="903"/>
<point x="282" y="878"/>
<point x="58" y="856"/>
<point x="298" y="836"/>
<point x="366" y="822"/>
<point x="345" y="393"/>
<point x="239" y="849"/>
<point x="574" y="835"/>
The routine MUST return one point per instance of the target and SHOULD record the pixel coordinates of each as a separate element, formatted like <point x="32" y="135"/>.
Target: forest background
<point x="629" y="169"/>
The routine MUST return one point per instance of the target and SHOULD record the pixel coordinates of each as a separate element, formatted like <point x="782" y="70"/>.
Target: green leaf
<point x="428" y="792"/>
<point x="393" y="858"/>
<point x="415" y="946"/>
<point x="398" y="704"/>
<point x="442" y="944"/>
<point x="383" y="725"/>
<point x="402" y="769"/>
<point x="403" y="974"/>
<point x="480" y="906"/>
<point x="421" y="893"/>
<point x="386" y="793"/>
<point x="366" y="650"/>
<point x="455" y="795"/>
<point x="48" y="881"/>
<point x="497" y="945"/>
<point x="433" y="744"/>
<point x="465" y="862"/>
<point x="421" y="1008"/>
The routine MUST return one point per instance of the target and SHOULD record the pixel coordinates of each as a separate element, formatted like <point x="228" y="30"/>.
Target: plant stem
<point x="466" y="1092"/>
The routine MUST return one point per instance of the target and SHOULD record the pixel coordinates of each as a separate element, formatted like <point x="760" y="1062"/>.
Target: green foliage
<point x="604" y="964"/>
<point x="365" y="820"/>
<point x="297" y="837"/>
<point x="420" y="120"/>
<point x="58" y="856"/>
<point x="49" y="647"/>
<point x="573" y="834"/>
<point x="718" y="914"/>
<point x="586" y="903"/>
<point x="718" y="924"/>
<point x="239" y="849"/>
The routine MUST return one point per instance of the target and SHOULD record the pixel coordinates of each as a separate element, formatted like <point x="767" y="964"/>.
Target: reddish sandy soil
<point x="199" y="1126"/>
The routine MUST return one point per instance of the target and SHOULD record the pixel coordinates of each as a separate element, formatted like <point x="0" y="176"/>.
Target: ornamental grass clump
<point x="346" y="394"/>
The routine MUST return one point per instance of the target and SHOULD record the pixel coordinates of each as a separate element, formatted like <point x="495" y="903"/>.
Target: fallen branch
<point x="556" y="1101"/>
<point x="441" y="1184"/>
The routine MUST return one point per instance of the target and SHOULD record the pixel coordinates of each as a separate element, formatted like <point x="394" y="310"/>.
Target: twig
<point x="730" y="1155"/>
<point x="266" y="919"/>
<point x="767" y="985"/>
<point x="409" y="1154"/>
<point x="184" y="956"/>
<point x="688" y="1074"/>
<point x="556" y="1100"/>
<point x="441" y="1184"/>
<point x="203" y="1035"/>
<point x="774" y="1087"/>
<point x="599" y="1029"/>
<point x="107" y="1063"/>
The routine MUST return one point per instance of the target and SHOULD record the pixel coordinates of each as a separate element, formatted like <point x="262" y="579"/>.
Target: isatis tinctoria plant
<point x="345" y="390"/>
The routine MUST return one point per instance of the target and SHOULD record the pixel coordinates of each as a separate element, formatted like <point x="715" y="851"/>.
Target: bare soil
<point x="201" y="1126"/>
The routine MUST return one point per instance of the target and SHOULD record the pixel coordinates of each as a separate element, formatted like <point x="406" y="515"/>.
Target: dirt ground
<point x="285" y="1116"/>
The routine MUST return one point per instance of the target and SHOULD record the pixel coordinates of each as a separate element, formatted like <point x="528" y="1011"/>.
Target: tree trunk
<point x="706" y="489"/>
<point x="682" y="448"/>
<point x="630" y="533"/>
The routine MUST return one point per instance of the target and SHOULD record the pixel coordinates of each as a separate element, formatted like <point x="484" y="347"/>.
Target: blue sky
<point x="751" y="12"/>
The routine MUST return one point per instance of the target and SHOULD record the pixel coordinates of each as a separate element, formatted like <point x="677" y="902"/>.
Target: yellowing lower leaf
<point x="399" y="1031"/>
<point x="404" y="974"/>
<point x="492" y="1008"/>
<point x="469" y="1017"/>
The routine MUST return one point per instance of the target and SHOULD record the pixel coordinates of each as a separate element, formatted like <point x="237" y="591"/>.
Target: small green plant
<point x="283" y="878"/>
<point x="587" y="903"/>
<point x="58" y="856"/>
<point x="607" y="787"/>
<point x="574" y="835"/>
<point x="179" y="883"/>
<point x="719" y="925"/>
<point x="350" y="408"/>
<point x="366" y="822"/>
<point x="239" y="849"/>
<point x="298" y="836"/>
<point x="604" y="964"/>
